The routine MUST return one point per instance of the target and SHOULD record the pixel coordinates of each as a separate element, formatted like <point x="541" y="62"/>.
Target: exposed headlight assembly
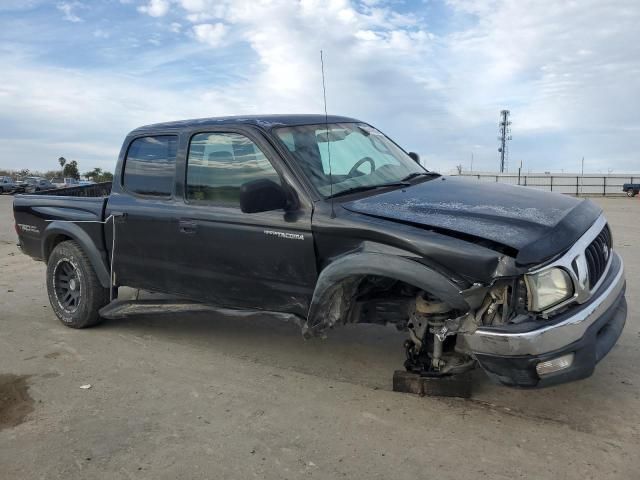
<point x="548" y="288"/>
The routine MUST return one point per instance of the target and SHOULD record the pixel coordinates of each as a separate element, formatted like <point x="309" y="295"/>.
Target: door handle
<point x="187" y="227"/>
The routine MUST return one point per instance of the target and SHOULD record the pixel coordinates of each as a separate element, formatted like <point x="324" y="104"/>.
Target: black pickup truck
<point x="327" y="220"/>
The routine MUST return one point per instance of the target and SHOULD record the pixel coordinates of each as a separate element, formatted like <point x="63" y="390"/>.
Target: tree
<point x="98" y="175"/>
<point x="94" y="174"/>
<point x="459" y="169"/>
<point x="62" y="161"/>
<point x="106" y="177"/>
<point x="71" y="170"/>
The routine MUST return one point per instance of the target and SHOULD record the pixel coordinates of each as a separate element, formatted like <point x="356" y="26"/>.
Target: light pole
<point x="519" y="170"/>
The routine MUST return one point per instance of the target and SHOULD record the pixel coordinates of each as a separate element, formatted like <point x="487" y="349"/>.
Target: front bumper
<point x="510" y="355"/>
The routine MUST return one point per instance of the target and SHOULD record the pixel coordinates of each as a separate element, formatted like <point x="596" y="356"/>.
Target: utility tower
<point x="504" y="130"/>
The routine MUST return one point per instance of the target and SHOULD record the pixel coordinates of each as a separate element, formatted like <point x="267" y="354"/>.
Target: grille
<point x="597" y="255"/>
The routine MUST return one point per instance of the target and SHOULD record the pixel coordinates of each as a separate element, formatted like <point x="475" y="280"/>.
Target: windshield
<point x="360" y="156"/>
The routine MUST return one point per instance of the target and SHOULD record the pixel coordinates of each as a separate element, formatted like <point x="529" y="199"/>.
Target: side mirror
<point x="415" y="157"/>
<point x="261" y="196"/>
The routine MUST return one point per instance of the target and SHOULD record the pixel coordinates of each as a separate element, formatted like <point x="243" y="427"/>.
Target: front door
<point x="262" y="260"/>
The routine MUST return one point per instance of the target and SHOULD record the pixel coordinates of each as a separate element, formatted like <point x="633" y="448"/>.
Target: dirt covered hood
<point x="532" y="224"/>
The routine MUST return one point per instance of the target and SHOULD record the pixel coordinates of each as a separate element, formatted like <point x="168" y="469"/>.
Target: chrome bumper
<point x="557" y="335"/>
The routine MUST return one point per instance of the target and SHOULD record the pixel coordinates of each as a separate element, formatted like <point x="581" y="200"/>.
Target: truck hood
<point x="528" y="224"/>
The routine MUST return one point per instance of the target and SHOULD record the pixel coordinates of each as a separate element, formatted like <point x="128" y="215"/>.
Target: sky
<point x="77" y="75"/>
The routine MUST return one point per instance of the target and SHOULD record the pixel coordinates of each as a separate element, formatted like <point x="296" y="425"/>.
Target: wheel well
<point x="367" y="299"/>
<point x="380" y="299"/>
<point x="52" y="242"/>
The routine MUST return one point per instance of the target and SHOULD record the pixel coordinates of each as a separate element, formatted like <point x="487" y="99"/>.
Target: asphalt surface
<point x="208" y="396"/>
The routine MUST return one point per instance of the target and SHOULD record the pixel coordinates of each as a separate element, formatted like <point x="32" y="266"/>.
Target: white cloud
<point x="99" y="33"/>
<point x="561" y="68"/>
<point x="19" y="5"/>
<point x="199" y="6"/>
<point x="211" y="34"/>
<point x="68" y="9"/>
<point x="567" y="71"/>
<point x="83" y="116"/>
<point x="155" y="8"/>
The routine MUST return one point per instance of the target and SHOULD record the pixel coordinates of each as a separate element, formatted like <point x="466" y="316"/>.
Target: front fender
<point x="82" y="238"/>
<point x="331" y="297"/>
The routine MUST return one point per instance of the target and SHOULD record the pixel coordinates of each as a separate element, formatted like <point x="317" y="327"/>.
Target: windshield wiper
<point x="364" y="188"/>
<point x="418" y="174"/>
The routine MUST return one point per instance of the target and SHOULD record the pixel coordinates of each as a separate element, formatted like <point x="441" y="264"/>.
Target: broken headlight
<point x="548" y="288"/>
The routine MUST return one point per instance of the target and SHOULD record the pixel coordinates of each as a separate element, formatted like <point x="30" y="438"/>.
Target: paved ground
<point x="202" y="396"/>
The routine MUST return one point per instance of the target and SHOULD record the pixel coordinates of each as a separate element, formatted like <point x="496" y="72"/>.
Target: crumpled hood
<point x="536" y="224"/>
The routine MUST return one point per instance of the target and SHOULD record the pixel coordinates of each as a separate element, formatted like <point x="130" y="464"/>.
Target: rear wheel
<point x="630" y="193"/>
<point x="74" y="290"/>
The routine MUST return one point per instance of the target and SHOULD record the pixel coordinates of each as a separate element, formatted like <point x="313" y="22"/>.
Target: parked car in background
<point x="7" y="185"/>
<point x="71" y="182"/>
<point x="33" y="184"/>
<point x="21" y="186"/>
<point x="65" y="182"/>
<point x="86" y="182"/>
<point x="631" y="189"/>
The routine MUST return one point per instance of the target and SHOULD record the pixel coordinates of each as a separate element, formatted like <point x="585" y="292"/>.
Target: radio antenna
<point x="326" y="122"/>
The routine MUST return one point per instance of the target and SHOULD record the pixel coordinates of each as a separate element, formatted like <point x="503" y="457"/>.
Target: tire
<point x="74" y="290"/>
<point x="630" y="193"/>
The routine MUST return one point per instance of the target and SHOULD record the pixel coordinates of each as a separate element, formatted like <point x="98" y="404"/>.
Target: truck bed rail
<point x="95" y="190"/>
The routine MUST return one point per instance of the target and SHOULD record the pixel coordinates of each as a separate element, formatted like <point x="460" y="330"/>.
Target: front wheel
<point x="74" y="290"/>
<point x="630" y="193"/>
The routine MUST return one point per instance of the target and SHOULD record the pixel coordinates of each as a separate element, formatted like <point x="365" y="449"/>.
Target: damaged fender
<point x="339" y="281"/>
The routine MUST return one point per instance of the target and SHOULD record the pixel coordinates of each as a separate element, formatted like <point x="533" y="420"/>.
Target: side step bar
<point x="123" y="308"/>
<point x="119" y="309"/>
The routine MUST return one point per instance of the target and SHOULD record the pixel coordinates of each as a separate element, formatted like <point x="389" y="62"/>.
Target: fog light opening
<point x="555" y="365"/>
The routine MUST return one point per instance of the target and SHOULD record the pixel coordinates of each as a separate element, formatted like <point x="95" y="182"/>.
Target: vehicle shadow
<point x="359" y="354"/>
<point x="369" y="354"/>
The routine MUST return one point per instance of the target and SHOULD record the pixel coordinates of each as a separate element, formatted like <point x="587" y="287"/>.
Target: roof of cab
<point x="262" y="121"/>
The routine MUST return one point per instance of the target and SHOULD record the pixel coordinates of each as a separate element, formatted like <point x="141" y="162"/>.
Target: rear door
<point x="262" y="260"/>
<point x="143" y="198"/>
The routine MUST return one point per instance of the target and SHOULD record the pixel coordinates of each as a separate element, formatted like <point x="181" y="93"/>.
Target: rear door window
<point x="150" y="165"/>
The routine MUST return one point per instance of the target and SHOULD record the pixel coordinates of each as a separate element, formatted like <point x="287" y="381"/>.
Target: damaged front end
<point x="435" y="318"/>
<point x="438" y="314"/>
<point x="527" y="326"/>
<point x="436" y="344"/>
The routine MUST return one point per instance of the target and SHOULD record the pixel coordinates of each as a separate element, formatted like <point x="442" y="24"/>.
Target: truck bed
<point x="83" y="206"/>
